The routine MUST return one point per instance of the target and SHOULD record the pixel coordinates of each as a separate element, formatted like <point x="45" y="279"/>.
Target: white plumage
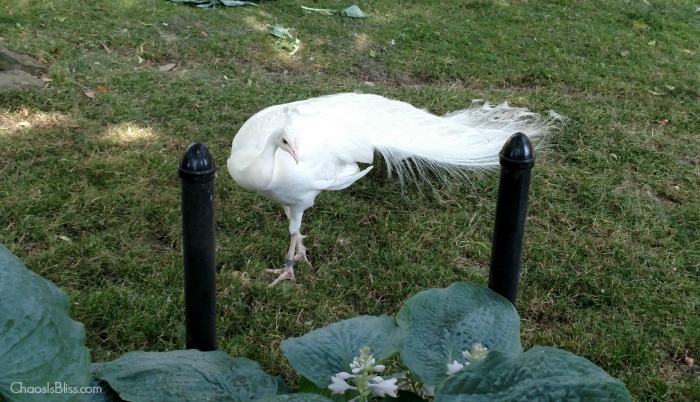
<point x="290" y="153"/>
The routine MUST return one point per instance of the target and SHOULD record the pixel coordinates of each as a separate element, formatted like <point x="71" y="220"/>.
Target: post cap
<point x="517" y="152"/>
<point x="197" y="164"/>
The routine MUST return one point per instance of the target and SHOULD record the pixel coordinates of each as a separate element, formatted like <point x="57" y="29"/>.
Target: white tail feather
<point x="458" y="142"/>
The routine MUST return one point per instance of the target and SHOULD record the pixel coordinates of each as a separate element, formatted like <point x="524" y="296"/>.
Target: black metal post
<point x="517" y="159"/>
<point x="197" y="173"/>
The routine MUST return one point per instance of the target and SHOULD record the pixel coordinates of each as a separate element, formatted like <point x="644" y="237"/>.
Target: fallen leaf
<point x="24" y="124"/>
<point x="235" y="3"/>
<point x="102" y="88"/>
<point x="141" y="59"/>
<point x="322" y="11"/>
<point x="41" y="60"/>
<point x="288" y="41"/>
<point x="90" y="94"/>
<point x="168" y="36"/>
<point x="242" y="276"/>
<point x="167" y="67"/>
<point x="215" y="3"/>
<point x="64" y="238"/>
<point x="204" y="34"/>
<point x="108" y="50"/>
<point x="353" y="12"/>
<point x="689" y="361"/>
<point x="281" y="32"/>
<point x="664" y="122"/>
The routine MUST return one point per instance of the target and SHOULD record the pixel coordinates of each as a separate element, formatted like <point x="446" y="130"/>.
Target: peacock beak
<point x="295" y="154"/>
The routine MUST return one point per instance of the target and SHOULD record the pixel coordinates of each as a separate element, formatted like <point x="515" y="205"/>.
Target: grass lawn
<point x="89" y="190"/>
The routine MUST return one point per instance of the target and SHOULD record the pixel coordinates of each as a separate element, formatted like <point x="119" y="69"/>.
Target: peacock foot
<point x="286" y="273"/>
<point x="297" y="252"/>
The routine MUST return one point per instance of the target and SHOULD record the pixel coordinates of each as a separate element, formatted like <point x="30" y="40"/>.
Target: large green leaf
<point x="100" y="391"/>
<point x="183" y="375"/>
<point x="40" y="345"/>
<point x="438" y="324"/>
<point x="305" y="385"/>
<point x="301" y="397"/>
<point x="324" y="352"/>
<point x="404" y="396"/>
<point x="540" y="374"/>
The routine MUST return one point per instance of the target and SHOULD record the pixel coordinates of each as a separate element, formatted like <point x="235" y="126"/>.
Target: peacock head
<point x="288" y="143"/>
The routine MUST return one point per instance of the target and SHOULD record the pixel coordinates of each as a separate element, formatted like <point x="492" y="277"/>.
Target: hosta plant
<point x="456" y="344"/>
<point x="461" y="343"/>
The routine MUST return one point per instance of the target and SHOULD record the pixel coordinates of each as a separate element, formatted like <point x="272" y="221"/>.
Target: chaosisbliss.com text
<point x="18" y="387"/>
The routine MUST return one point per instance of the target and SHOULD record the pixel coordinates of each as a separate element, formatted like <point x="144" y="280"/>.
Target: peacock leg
<point x="296" y="251"/>
<point x="286" y="272"/>
<point x="300" y="252"/>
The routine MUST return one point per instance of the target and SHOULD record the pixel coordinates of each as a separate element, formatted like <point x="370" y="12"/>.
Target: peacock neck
<point x="265" y="162"/>
<point x="253" y="169"/>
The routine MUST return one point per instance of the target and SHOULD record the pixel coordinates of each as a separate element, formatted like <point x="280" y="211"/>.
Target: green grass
<point x="611" y="271"/>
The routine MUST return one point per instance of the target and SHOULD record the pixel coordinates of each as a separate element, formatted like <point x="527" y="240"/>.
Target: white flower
<point x="364" y="363"/>
<point x="381" y="387"/>
<point x="364" y="374"/>
<point x="339" y="386"/>
<point x="454" y="367"/>
<point x="429" y="390"/>
<point x="479" y="351"/>
<point x="344" y="376"/>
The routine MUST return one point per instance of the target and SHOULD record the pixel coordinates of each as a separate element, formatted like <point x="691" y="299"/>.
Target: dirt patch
<point x="374" y="72"/>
